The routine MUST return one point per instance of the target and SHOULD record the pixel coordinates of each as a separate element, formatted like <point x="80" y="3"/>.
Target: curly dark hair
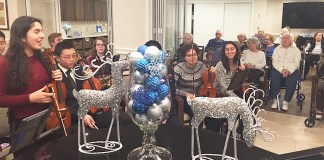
<point x="19" y="72"/>
<point x="225" y="60"/>
<point x="186" y="47"/>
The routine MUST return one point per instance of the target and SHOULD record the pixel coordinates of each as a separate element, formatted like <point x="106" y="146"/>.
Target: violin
<point x="60" y="115"/>
<point x="93" y="84"/>
<point x="207" y="89"/>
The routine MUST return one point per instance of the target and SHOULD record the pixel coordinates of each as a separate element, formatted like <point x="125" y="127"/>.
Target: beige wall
<point x="15" y="8"/>
<point x="131" y="24"/>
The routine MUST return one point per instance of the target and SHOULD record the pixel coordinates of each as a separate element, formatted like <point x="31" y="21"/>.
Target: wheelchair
<point x="310" y="121"/>
<point x="267" y="88"/>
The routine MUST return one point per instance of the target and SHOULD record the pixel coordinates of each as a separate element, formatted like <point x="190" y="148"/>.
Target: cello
<point x="207" y="89"/>
<point x="60" y="115"/>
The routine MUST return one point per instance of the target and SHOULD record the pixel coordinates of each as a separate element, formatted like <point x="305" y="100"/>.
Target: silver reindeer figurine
<point x="230" y="108"/>
<point x="102" y="99"/>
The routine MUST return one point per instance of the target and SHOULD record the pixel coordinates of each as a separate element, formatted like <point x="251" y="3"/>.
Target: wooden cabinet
<point x="83" y="10"/>
<point x="89" y="10"/>
<point x="100" y="10"/>
<point x="104" y="10"/>
<point x="67" y="10"/>
<point x="79" y="11"/>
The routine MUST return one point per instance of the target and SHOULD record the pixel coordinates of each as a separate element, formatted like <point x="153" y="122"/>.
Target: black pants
<point x="14" y="124"/>
<point x="310" y="59"/>
<point x="254" y="76"/>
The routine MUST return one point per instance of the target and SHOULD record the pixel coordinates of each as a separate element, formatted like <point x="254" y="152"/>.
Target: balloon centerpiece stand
<point x="148" y="104"/>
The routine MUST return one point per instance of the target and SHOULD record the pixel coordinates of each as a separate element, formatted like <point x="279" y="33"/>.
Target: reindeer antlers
<point x="265" y="132"/>
<point x="107" y="59"/>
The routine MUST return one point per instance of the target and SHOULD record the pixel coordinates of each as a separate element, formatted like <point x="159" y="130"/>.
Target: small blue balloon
<point x="151" y="97"/>
<point x="153" y="83"/>
<point x="138" y="94"/>
<point x="163" y="91"/>
<point x="141" y="65"/>
<point x="163" y="55"/>
<point x="142" y="49"/>
<point x="139" y="107"/>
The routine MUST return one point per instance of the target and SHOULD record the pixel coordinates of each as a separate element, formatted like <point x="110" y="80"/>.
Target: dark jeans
<point x="291" y="81"/>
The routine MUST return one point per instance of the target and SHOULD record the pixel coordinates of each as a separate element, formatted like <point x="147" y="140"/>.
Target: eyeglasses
<point x="73" y="56"/>
<point x="100" y="45"/>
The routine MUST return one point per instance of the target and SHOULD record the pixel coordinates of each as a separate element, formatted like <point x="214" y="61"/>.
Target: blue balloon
<point x="138" y="95"/>
<point x="142" y="49"/>
<point x="163" y="91"/>
<point x="151" y="97"/>
<point x="141" y="65"/>
<point x="153" y="83"/>
<point x="139" y="107"/>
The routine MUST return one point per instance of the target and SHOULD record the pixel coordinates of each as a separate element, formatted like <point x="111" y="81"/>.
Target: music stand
<point x="29" y="130"/>
<point x="238" y="80"/>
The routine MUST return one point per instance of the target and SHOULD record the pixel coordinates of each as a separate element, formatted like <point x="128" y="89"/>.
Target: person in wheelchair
<point x="320" y="92"/>
<point x="254" y="60"/>
<point x="285" y="60"/>
<point x="316" y="48"/>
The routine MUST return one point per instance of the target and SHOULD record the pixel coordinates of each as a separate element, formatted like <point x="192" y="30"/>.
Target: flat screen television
<point x="308" y="15"/>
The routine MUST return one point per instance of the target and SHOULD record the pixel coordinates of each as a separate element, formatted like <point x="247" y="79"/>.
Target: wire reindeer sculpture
<point x="230" y="108"/>
<point x="101" y="99"/>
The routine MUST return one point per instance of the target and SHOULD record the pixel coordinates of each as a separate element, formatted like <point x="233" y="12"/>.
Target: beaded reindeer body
<point x="107" y="98"/>
<point x="230" y="108"/>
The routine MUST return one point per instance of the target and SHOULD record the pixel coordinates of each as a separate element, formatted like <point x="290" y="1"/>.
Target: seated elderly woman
<point x="316" y="48"/>
<point x="254" y="60"/>
<point x="285" y="60"/>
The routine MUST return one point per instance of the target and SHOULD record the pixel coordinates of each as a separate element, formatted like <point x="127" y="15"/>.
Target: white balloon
<point x="165" y="104"/>
<point x="134" y="57"/>
<point x="152" y="52"/>
<point x="154" y="113"/>
<point x="140" y="119"/>
<point x="138" y="77"/>
<point x="135" y="87"/>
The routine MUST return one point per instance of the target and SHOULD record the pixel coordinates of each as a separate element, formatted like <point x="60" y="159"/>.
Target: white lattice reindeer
<point x="230" y="108"/>
<point x="107" y="98"/>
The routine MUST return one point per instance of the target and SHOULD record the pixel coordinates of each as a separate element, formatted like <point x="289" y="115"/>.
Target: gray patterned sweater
<point x="188" y="79"/>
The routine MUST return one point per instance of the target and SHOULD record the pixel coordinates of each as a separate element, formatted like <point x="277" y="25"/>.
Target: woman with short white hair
<point x="253" y="59"/>
<point x="285" y="60"/>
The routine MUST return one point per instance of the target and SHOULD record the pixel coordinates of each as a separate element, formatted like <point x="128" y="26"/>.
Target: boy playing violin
<point x="67" y="58"/>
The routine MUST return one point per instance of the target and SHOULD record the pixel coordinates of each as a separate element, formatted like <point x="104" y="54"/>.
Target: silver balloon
<point x="140" y="119"/>
<point x="130" y="106"/>
<point x="134" y="57"/>
<point x="138" y="78"/>
<point x="154" y="112"/>
<point x="163" y="69"/>
<point x="165" y="104"/>
<point x="135" y="87"/>
<point x="152" y="53"/>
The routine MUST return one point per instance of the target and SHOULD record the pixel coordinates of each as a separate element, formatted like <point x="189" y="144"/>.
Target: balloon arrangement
<point x="149" y="89"/>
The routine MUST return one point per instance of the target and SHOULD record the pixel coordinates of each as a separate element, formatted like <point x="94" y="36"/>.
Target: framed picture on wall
<point x="4" y="15"/>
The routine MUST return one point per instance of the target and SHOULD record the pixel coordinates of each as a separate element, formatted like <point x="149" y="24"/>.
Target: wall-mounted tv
<point x="309" y="15"/>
